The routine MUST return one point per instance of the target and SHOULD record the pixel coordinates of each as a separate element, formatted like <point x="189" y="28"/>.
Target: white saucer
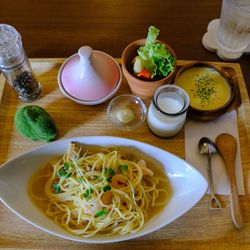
<point x="209" y="40"/>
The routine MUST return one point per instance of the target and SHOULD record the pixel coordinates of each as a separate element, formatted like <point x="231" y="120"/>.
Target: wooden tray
<point x="198" y="228"/>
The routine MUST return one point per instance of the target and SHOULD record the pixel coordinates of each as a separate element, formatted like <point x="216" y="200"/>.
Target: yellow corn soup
<point x="206" y="87"/>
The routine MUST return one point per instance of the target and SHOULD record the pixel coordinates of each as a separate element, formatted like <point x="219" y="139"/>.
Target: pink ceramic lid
<point x="89" y="75"/>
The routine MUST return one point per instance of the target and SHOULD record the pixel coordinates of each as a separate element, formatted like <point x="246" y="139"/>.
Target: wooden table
<point x="58" y="29"/>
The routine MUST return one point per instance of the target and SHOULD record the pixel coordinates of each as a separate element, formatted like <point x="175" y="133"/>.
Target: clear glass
<point x="15" y="65"/>
<point x="233" y="35"/>
<point x="127" y="112"/>
<point x="167" y="111"/>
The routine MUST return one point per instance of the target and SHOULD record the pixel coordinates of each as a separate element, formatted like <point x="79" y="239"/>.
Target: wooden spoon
<point x="227" y="146"/>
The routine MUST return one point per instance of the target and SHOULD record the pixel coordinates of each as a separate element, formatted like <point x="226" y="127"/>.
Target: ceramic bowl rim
<point x="211" y="112"/>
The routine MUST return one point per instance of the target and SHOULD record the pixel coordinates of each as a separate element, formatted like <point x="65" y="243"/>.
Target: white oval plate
<point x="188" y="185"/>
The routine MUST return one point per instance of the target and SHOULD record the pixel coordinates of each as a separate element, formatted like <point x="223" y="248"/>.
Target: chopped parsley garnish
<point x="205" y="88"/>
<point x="123" y="168"/>
<point x="106" y="188"/>
<point x="87" y="194"/>
<point x="65" y="170"/>
<point x="67" y="165"/>
<point x="56" y="188"/>
<point x="100" y="213"/>
<point x="109" y="172"/>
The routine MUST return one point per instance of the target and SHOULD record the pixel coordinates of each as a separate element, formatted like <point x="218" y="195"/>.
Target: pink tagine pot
<point x="142" y="88"/>
<point x="89" y="77"/>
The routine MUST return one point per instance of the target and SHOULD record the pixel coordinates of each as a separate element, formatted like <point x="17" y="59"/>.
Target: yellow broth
<point x="206" y="87"/>
<point x="36" y="186"/>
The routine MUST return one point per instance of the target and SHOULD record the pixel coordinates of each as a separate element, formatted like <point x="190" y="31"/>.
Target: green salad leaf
<point x="155" y="56"/>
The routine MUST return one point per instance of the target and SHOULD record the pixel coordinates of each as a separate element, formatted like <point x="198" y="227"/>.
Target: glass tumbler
<point x="233" y="35"/>
<point x="167" y="111"/>
<point x="15" y="65"/>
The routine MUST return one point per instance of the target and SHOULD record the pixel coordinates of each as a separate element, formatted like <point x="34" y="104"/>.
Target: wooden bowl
<point x="210" y="89"/>
<point x="142" y="88"/>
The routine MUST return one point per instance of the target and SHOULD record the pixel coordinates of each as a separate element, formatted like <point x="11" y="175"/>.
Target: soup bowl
<point x="187" y="185"/>
<point x="210" y="89"/>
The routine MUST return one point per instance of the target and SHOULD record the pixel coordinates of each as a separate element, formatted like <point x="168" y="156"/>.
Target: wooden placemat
<point x="198" y="228"/>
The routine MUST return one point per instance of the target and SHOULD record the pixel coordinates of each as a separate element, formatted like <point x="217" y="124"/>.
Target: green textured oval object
<point x="35" y="123"/>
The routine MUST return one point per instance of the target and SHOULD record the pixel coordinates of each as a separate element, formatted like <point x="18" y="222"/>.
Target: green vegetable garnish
<point x="123" y="168"/>
<point x="100" y="178"/>
<point x="100" y="213"/>
<point x="109" y="172"/>
<point x="56" y="188"/>
<point x="109" y="179"/>
<point x="87" y="194"/>
<point x="205" y="88"/>
<point x="106" y="188"/>
<point x="68" y="165"/>
<point x="65" y="170"/>
<point x="154" y="59"/>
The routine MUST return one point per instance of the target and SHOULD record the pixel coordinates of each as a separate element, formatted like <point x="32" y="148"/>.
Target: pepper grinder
<point x="15" y="65"/>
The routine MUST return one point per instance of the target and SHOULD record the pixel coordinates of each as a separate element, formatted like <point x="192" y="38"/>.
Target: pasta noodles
<point x="105" y="192"/>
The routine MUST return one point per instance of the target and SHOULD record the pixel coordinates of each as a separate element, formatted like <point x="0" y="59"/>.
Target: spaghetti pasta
<point x="105" y="192"/>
